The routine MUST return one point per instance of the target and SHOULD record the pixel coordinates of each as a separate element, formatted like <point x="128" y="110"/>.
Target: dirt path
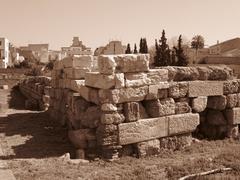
<point x="33" y="144"/>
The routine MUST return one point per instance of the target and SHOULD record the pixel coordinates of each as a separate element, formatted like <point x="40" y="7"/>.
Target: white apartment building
<point x="4" y="52"/>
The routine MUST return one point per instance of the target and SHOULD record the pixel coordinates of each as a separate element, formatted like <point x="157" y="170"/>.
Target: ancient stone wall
<point x="37" y="92"/>
<point x="128" y="109"/>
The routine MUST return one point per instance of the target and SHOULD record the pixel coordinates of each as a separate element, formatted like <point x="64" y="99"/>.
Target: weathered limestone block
<point x="232" y="100"/>
<point x="108" y="64"/>
<point x="186" y="74"/>
<point x="119" y="80"/>
<point x="158" y="91"/>
<point x="78" y="61"/>
<point x="108" y="107"/>
<point x="147" y="148"/>
<point x="183" y="123"/>
<point x="154" y="76"/>
<point x="117" y="96"/>
<point x="107" y="135"/>
<point x="75" y="73"/>
<point x="215" y="117"/>
<point x="232" y="116"/>
<point x="132" y="63"/>
<point x="143" y="130"/>
<point x="220" y="73"/>
<point x="199" y="104"/>
<point x="231" y="86"/>
<point x="158" y="108"/>
<point x="131" y="111"/>
<point x="205" y="88"/>
<point x="176" y="142"/>
<point x="112" y="118"/>
<point x="178" y="89"/>
<point x="217" y="102"/>
<point x="79" y="138"/>
<point x="101" y="81"/>
<point x="204" y="73"/>
<point x="91" y="117"/>
<point x="182" y="107"/>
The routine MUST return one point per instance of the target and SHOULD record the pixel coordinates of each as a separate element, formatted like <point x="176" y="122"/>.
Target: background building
<point x="4" y="53"/>
<point x="113" y="47"/>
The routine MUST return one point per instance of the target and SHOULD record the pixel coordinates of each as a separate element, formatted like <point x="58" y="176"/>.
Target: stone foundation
<point x="128" y="109"/>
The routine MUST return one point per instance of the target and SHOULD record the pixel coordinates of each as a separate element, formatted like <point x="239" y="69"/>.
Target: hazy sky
<point x="98" y="21"/>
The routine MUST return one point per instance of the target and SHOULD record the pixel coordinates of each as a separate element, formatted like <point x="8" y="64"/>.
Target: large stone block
<point x="154" y="76"/>
<point x="183" y="123"/>
<point x="231" y="86"/>
<point x="112" y="118"/>
<point x="182" y="107"/>
<point x="158" y="108"/>
<point x="101" y="81"/>
<point x="199" y="104"/>
<point x="205" y="88"/>
<point x="232" y="100"/>
<point x="107" y="135"/>
<point x="117" y="96"/>
<point x="76" y="85"/>
<point x="143" y="130"/>
<point x="178" y="89"/>
<point x="217" y="102"/>
<point x="233" y="115"/>
<point x="108" y="64"/>
<point x="158" y="91"/>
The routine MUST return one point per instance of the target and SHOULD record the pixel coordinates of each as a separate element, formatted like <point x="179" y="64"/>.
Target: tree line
<point x="164" y="55"/>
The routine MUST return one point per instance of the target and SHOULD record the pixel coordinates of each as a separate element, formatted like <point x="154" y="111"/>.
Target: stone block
<point x="117" y="96"/>
<point x="217" y="102"/>
<point x="178" y="89"/>
<point x="157" y="91"/>
<point x="205" y="88"/>
<point x="142" y="130"/>
<point x="89" y="94"/>
<point x="147" y="148"/>
<point x="232" y="115"/>
<point x="119" y="80"/>
<point x="131" y="111"/>
<point x="231" y="87"/>
<point x="232" y="100"/>
<point x="112" y="118"/>
<point x="183" y="123"/>
<point x="176" y="142"/>
<point x="108" y="107"/>
<point x="220" y="73"/>
<point x="199" y="104"/>
<point x="107" y="135"/>
<point x="108" y="64"/>
<point x="101" y="81"/>
<point x="158" y="108"/>
<point x="154" y="76"/>
<point x="182" y="107"/>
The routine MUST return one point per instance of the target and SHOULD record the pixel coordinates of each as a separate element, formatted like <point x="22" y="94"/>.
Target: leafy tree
<point x="135" y="49"/>
<point x="197" y="42"/>
<point x="128" y="50"/>
<point x="182" y="59"/>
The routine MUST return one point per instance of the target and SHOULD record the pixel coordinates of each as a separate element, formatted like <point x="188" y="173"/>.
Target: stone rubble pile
<point x="128" y="109"/>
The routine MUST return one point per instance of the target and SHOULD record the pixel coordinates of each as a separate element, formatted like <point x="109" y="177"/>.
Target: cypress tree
<point x="135" y="49"/>
<point x="164" y="52"/>
<point x="182" y="59"/>
<point x="157" y="53"/>
<point x="145" y="46"/>
<point x="141" y="46"/>
<point x="128" y="50"/>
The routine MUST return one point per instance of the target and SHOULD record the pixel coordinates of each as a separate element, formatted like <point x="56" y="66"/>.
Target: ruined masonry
<point x="125" y="108"/>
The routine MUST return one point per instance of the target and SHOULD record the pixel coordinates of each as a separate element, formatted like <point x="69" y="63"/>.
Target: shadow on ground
<point x="31" y="134"/>
<point x="16" y="99"/>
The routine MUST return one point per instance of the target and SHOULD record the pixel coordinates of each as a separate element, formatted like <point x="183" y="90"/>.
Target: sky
<point x="96" y="22"/>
